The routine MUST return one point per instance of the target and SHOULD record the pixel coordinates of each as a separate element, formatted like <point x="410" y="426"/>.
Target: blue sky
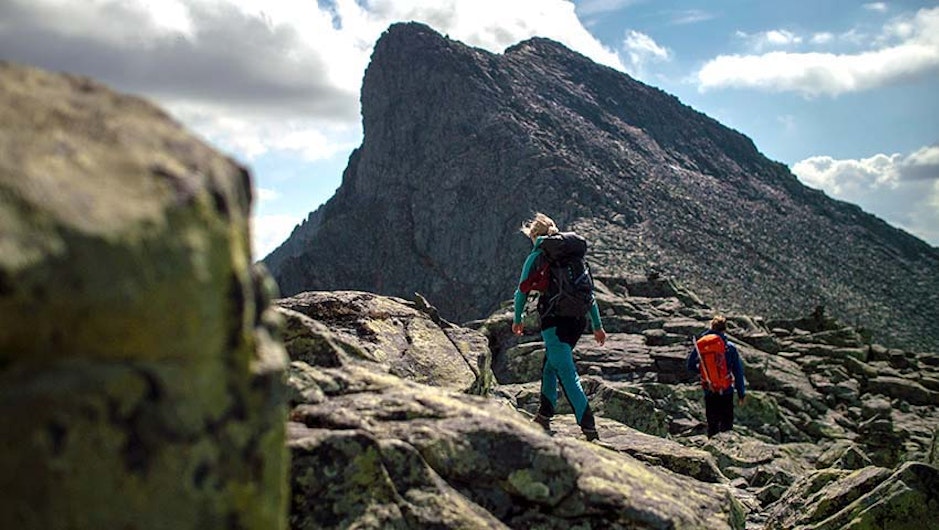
<point x="846" y="93"/>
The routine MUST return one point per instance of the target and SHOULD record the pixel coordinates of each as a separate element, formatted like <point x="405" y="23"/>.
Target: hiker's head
<point x="540" y="225"/>
<point x="719" y="323"/>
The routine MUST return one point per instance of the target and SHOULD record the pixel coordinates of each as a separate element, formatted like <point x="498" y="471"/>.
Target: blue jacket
<point x="733" y="362"/>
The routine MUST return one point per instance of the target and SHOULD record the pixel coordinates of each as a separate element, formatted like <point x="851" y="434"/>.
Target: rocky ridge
<point x="461" y="145"/>
<point x="834" y="430"/>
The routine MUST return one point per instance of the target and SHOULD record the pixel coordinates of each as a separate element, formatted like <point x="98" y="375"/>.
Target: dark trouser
<point x="561" y="335"/>
<point x="719" y="409"/>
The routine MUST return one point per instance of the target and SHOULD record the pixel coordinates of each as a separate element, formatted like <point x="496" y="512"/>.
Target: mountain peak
<point x="461" y="145"/>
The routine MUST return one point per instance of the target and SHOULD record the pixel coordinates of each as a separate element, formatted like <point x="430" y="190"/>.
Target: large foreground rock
<point x="139" y="387"/>
<point x="378" y="452"/>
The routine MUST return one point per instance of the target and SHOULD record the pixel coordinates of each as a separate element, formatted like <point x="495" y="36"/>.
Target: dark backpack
<point x="569" y="292"/>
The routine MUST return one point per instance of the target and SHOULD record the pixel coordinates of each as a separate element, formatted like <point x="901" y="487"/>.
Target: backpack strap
<point x="539" y="277"/>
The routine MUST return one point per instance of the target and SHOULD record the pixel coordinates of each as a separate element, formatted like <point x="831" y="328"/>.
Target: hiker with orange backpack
<point x="718" y="362"/>
<point x="556" y="270"/>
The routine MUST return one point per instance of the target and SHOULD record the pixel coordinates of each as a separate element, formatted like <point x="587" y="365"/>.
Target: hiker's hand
<point x="599" y="335"/>
<point x="518" y="329"/>
<point x="742" y="400"/>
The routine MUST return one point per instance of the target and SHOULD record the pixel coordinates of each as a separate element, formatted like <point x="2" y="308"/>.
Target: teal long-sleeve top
<point x="520" y="297"/>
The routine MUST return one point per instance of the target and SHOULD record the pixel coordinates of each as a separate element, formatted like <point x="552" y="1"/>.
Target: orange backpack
<point x="715" y="375"/>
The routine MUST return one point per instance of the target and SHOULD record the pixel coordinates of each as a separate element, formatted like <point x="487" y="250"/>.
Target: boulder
<point x="520" y="363"/>
<point x="739" y="455"/>
<point x="139" y="383"/>
<point x="902" y="388"/>
<point x="843" y="455"/>
<point x="821" y="494"/>
<point x="391" y="334"/>
<point x="628" y="404"/>
<point x="387" y="452"/>
<point x="655" y="450"/>
<point x="867" y="498"/>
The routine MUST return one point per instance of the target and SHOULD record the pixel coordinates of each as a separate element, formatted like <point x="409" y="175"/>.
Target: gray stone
<point x="140" y="386"/>
<point x="384" y="452"/>
<point x="399" y="336"/>
<point x="866" y="498"/>
<point x="902" y="388"/>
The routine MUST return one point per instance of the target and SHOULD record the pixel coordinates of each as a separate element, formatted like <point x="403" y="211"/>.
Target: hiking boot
<point x="543" y="421"/>
<point x="591" y="434"/>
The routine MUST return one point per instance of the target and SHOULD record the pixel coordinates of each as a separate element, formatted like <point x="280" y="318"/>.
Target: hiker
<point x="556" y="270"/>
<point x="717" y="361"/>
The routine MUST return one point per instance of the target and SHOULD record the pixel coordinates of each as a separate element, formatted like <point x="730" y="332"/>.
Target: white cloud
<point x="822" y="38"/>
<point x="880" y="7"/>
<point x="259" y="76"/>
<point x="922" y="164"/>
<point x="909" y="48"/>
<point x="642" y="49"/>
<point x="251" y="135"/>
<point x="269" y="231"/>
<point x="775" y="38"/>
<point x="850" y="179"/>
<point x="690" y="16"/>
<point x="597" y="7"/>
<point x="903" y="190"/>
<point x="781" y="37"/>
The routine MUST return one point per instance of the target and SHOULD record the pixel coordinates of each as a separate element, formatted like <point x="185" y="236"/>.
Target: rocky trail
<point x="834" y="430"/>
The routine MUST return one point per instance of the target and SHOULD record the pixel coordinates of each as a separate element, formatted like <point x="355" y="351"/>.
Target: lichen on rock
<point x="139" y="380"/>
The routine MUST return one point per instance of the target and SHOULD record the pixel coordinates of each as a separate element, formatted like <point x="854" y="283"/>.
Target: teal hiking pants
<point x="560" y="336"/>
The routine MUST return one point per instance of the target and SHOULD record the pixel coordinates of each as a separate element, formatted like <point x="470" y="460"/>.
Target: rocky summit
<point x="400" y="419"/>
<point x="461" y="145"/>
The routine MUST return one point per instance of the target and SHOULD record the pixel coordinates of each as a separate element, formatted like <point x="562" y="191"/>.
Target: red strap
<point x="537" y="280"/>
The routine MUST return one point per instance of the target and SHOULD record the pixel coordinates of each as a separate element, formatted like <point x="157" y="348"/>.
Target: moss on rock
<point x="138" y="378"/>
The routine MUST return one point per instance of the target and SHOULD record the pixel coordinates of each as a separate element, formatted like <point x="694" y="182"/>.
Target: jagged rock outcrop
<point x="390" y="452"/>
<point x="871" y="497"/>
<point x="461" y="145"/>
<point x="377" y="451"/>
<point x="819" y="399"/>
<point x="139" y="384"/>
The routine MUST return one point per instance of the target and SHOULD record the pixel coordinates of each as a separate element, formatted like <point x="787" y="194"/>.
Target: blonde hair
<point x="540" y="225"/>
<point x="719" y="323"/>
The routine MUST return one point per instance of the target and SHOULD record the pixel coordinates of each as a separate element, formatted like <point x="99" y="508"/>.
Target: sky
<point x="845" y="93"/>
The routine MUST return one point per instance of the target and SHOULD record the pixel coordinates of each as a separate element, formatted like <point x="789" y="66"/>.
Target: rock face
<point x="820" y="443"/>
<point x="462" y="145"/>
<point x="139" y="385"/>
